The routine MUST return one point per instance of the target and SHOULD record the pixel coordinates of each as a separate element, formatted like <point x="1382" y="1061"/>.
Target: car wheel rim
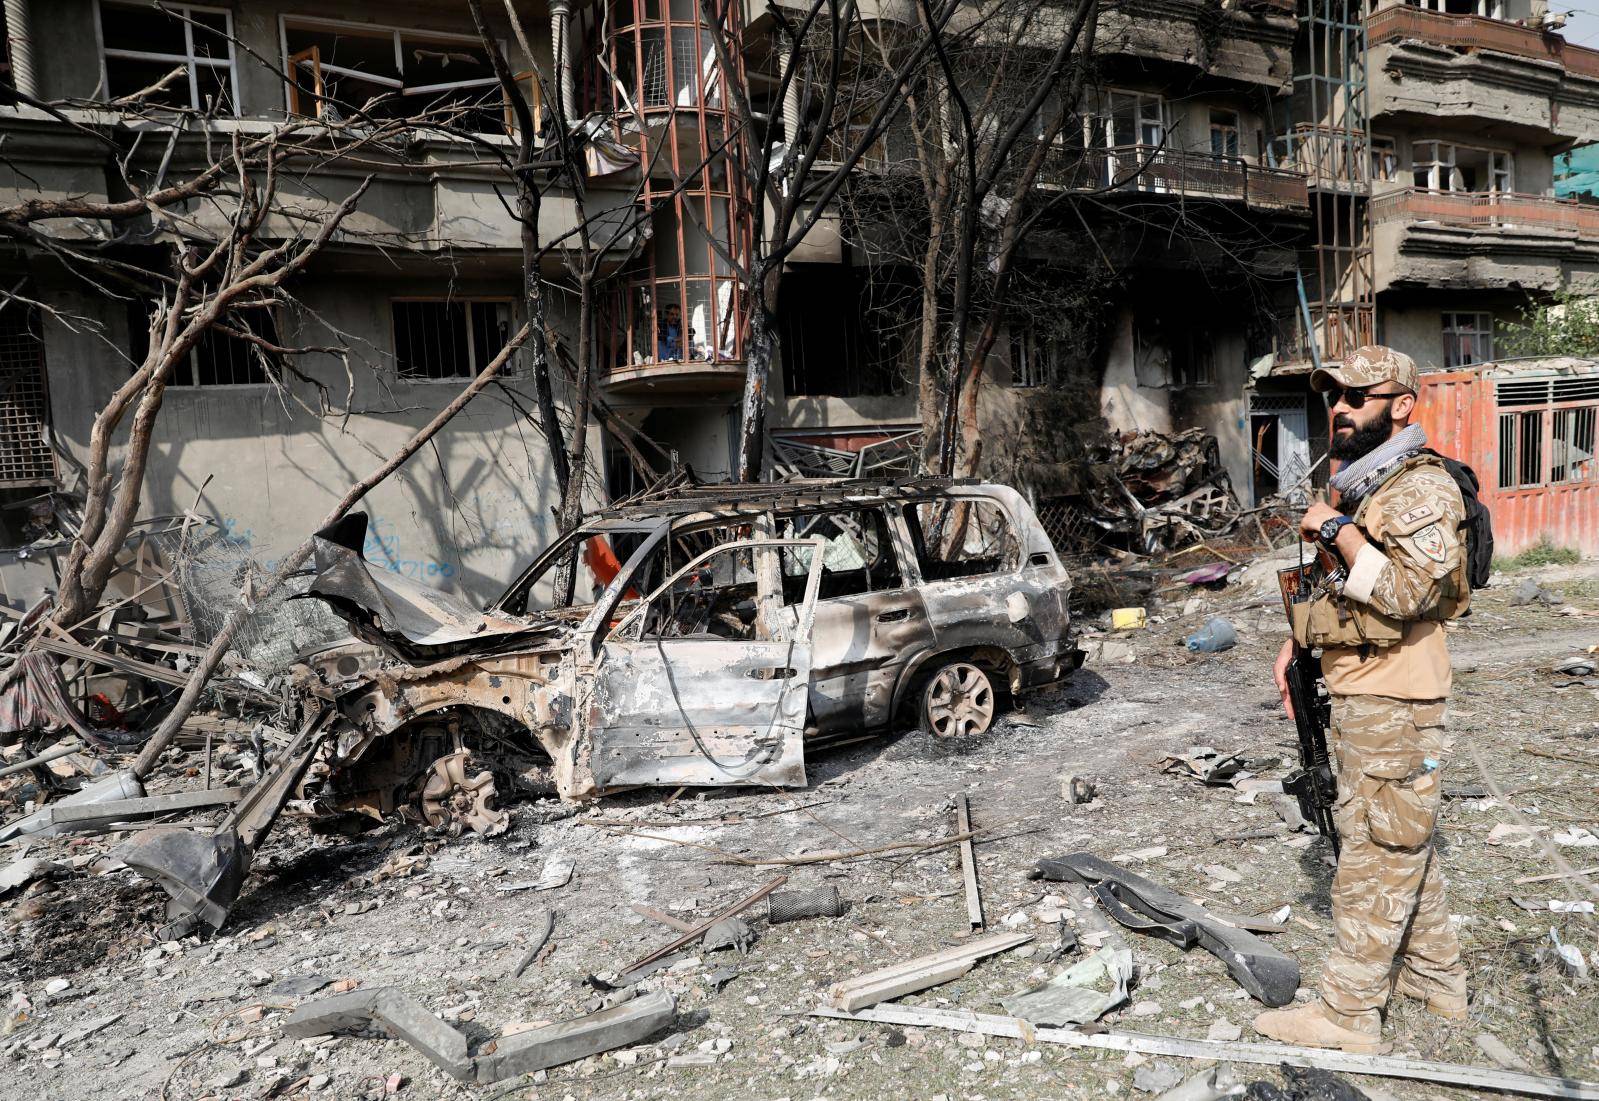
<point x="960" y="701"/>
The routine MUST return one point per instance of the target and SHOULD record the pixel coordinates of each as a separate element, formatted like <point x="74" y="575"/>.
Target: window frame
<point x="185" y="12"/>
<point x="395" y="33"/>
<point x="918" y="537"/>
<point x="467" y="301"/>
<point x="1452" y="334"/>
<point x="1217" y="117"/>
<point x="1501" y="165"/>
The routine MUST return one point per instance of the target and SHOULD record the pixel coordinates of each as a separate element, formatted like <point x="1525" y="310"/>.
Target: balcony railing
<point x="1329" y="155"/>
<point x="1474" y="32"/>
<point x="1489" y="209"/>
<point x="1155" y="170"/>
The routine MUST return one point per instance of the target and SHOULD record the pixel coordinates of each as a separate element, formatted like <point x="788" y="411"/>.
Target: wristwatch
<point x="1328" y="532"/>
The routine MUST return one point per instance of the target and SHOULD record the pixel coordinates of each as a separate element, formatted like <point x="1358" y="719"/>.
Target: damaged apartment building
<point x="1274" y="181"/>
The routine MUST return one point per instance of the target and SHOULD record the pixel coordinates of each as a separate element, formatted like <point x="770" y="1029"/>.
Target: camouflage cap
<point x="1367" y="367"/>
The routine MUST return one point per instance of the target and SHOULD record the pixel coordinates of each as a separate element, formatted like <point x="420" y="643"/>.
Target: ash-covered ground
<point x="446" y="920"/>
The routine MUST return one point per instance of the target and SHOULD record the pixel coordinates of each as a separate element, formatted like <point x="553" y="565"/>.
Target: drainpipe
<point x="560" y="51"/>
<point x="20" y="43"/>
<point x="791" y="98"/>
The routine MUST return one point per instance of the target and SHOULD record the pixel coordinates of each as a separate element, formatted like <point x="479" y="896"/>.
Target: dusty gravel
<point x="185" y="1024"/>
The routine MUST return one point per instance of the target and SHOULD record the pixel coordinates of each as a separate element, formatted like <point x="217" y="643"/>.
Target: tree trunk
<point x="752" y="414"/>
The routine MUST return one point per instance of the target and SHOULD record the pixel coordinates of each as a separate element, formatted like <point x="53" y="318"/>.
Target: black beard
<point x="1362" y="441"/>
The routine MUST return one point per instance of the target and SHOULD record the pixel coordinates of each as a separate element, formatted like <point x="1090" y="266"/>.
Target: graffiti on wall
<point x="384" y="548"/>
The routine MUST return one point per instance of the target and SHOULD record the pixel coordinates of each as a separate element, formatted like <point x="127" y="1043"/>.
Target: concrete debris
<point x="1156" y="1077"/>
<point x="510" y="1056"/>
<point x="20" y="873"/>
<point x="918" y="974"/>
<point x="1212" y="1084"/>
<point x="1207" y="765"/>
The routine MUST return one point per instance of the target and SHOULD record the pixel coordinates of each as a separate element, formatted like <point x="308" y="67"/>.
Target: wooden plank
<point x="118" y="810"/>
<point x="1385" y="1066"/>
<point x="664" y="918"/>
<point x="919" y="973"/>
<point x="737" y="908"/>
<point x="974" y="899"/>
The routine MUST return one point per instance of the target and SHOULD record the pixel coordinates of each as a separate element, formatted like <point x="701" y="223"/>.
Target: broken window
<point x="961" y="537"/>
<point x="1384" y="159"/>
<point x="1445" y="166"/>
<point x="716" y="599"/>
<point x="448" y="338"/>
<point x="340" y="68"/>
<point x="859" y="557"/>
<point x="1193" y="359"/>
<point x="1223" y="133"/>
<point x="1468" y="339"/>
<point x="186" y="50"/>
<point x="843" y="331"/>
<point x="1571" y="445"/>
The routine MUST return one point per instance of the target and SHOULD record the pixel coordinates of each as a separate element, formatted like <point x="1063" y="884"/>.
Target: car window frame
<point x="917" y="537"/>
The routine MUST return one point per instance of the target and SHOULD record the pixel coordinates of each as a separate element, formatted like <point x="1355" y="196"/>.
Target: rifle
<point x="1312" y="783"/>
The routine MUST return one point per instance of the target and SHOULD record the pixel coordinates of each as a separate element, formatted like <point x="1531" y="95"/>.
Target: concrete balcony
<point x="1249" y="43"/>
<point x="671" y="379"/>
<point x="1154" y="170"/>
<point x="1514" y="81"/>
<point x="1464" y="240"/>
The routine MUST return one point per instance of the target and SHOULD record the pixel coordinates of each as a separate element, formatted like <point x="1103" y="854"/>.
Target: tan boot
<point x="1440" y="1003"/>
<point x="1309" y="1026"/>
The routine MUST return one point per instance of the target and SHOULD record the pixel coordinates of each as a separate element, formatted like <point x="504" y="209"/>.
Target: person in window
<point x="669" y="340"/>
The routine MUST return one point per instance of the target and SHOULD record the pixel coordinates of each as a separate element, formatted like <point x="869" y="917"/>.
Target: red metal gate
<point x="1529" y="431"/>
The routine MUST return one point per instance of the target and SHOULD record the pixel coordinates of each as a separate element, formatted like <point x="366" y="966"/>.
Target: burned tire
<point x="959" y="701"/>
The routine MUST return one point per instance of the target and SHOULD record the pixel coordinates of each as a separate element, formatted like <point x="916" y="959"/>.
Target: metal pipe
<point x="20" y="39"/>
<point x="50" y="754"/>
<point x="561" y="54"/>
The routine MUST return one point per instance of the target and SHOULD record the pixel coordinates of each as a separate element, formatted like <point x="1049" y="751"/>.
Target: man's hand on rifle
<point x="1279" y="672"/>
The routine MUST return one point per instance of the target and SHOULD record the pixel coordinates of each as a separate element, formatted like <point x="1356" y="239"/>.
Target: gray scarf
<point x="1357" y="478"/>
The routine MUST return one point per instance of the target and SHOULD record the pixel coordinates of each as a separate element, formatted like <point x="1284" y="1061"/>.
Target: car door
<point x="869" y="620"/>
<point x="979" y="589"/>
<point x="686" y="690"/>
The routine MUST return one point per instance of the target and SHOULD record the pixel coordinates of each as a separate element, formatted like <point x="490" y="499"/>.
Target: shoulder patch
<point x="1418" y="514"/>
<point x="1430" y="543"/>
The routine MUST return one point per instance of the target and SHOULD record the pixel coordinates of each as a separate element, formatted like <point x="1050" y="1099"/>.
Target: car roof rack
<point x="743" y="498"/>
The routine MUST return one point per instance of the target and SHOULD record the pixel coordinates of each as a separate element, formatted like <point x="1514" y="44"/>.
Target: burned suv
<point x="697" y="638"/>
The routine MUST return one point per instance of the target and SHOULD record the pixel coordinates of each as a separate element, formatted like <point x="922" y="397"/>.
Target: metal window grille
<point x="25" y="455"/>
<point x="1468" y="339"/>
<point x="1521" y="449"/>
<point x="448" y="338"/>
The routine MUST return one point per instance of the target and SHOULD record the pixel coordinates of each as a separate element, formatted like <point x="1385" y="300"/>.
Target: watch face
<point x="1329" y="531"/>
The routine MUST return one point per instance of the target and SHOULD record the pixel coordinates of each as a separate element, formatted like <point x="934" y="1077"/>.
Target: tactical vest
<point x="1331" y="620"/>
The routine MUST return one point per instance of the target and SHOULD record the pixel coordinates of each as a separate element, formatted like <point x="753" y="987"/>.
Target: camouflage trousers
<point x="1388" y="893"/>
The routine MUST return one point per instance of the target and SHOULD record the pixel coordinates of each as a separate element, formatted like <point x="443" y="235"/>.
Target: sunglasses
<point x="1356" y="398"/>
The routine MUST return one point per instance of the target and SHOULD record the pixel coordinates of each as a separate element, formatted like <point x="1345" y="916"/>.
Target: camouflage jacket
<point x="1414" y="566"/>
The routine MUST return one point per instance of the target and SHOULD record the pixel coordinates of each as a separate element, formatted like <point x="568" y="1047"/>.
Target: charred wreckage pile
<point x="744" y="611"/>
<point x="700" y="637"/>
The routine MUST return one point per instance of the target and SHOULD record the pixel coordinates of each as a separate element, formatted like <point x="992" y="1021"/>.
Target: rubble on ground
<point x="401" y="958"/>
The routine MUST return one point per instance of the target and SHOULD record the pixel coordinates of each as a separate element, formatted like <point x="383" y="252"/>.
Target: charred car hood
<point x="383" y="607"/>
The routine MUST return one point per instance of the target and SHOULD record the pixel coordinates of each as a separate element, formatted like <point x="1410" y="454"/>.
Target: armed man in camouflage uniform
<point x="1386" y="665"/>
